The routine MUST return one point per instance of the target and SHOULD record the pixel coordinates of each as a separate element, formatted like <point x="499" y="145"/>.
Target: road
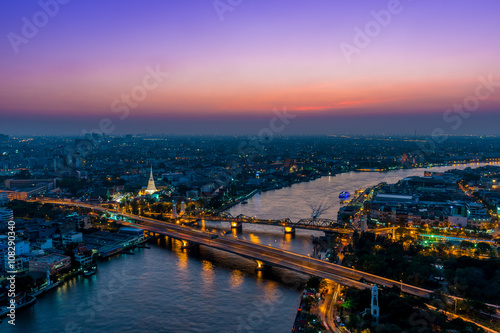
<point x="266" y="254"/>
<point x="454" y="316"/>
<point x="327" y="308"/>
<point x="325" y="305"/>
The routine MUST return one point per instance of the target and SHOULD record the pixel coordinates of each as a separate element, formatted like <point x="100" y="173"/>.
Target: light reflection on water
<point x="236" y="278"/>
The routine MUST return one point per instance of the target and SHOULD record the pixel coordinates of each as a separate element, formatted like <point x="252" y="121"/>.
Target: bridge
<point x="263" y="255"/>
<point x="326" y="225"/>
<point x="267" y="255"/>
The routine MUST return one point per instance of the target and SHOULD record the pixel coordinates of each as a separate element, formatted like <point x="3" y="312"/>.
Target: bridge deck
<point x="269" y="255"/>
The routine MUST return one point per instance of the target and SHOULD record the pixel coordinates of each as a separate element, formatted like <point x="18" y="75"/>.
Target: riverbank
<point x="4" y="311"/>
<point x="238" y="200"/>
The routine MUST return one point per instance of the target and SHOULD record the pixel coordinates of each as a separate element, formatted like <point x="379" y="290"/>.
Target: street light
<point x="401" y="284"/>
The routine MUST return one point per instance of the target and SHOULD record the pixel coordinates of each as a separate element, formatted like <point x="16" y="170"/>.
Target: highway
<point x="266" y="254"/>
<point x="327" y="309"/>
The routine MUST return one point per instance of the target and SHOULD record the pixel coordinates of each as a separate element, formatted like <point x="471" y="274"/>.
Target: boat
<point x="91" y="270"/>
<point x="344" y="195"/>
<point x="244" y="202"/>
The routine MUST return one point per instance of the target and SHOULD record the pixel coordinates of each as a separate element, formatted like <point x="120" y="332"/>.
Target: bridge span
<point x="326" y="225"/>
<point x="263" y="255"/>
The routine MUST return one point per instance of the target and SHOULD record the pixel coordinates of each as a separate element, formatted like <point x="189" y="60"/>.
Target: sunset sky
<point x="226" y="76"/>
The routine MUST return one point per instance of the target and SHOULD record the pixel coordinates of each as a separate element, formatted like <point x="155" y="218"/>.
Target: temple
<point x="151" y="184"/>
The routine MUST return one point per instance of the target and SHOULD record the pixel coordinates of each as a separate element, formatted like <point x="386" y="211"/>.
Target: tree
<point x="466" y="245"/>
<point x="483" y="248"/>
<point x="23" y="174"/>
<point x="354" y="322"/>
<point x="308" y="303"/>
<point x="313" y="283"/>
<point x="348" y="304"/>
<point x="135" y="207"/>
<point x="24" y="283"/>
<point x="114" y="226"/>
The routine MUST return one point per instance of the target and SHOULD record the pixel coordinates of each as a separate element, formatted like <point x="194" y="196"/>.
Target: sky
<point x="223" y="66"/>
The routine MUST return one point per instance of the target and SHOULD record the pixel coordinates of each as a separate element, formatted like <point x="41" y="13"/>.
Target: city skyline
<point x="392" y="67"/>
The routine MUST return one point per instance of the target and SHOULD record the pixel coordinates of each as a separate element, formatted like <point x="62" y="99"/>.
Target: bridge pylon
<point x="237" y="225"/>
<point x="151" y="234"/>
<point x="185" y="244"/>
<point x="261" y="266"/>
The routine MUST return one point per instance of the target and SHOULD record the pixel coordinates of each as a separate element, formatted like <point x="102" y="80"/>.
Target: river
<point x="167" y="289"/>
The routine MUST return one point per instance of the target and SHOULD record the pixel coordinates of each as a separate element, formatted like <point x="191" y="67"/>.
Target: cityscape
<point x="235" y="166"/>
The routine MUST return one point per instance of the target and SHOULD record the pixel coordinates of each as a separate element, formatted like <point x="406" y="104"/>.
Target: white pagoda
<point x="151" y="184"/>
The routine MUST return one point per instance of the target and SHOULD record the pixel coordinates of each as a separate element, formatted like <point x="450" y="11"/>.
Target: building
<point x="107" y="243"/>
<point x="476" y="209"/>
<point x="23" y="189"/>
<point x="53" y="263"/>
<point x="25" y="193"/>
<point x="477" y="216"/>
<point x="131" y="231"/>
<point x="395" y="198"/>
<point x="289" y="166"/>
<point x="72" y="237"/>
<point x="12" y="183"/>
<point x="6" y="215"/>
<point x="4" y="198"/>
<point x="172" y="177"/>
<point x="42" y="244"/>
<point x="3" y="255"/>
<point x="22" y="246"/>
<point x="83" y="256"/>
<point x="458" y="220"/>
<point x="478" y="221"/>
<point x="16" y="195"/>
<point x="80" y="221"/>
<point x="14" y="266"/>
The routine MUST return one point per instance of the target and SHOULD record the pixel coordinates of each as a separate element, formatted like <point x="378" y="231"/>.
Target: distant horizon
<point x="177" y="67"/>
<point x="478" y="123"/>
<point x="347" y="135"/>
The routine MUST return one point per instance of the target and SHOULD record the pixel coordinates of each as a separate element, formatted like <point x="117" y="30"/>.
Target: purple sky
<point x="226" y="76"/>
